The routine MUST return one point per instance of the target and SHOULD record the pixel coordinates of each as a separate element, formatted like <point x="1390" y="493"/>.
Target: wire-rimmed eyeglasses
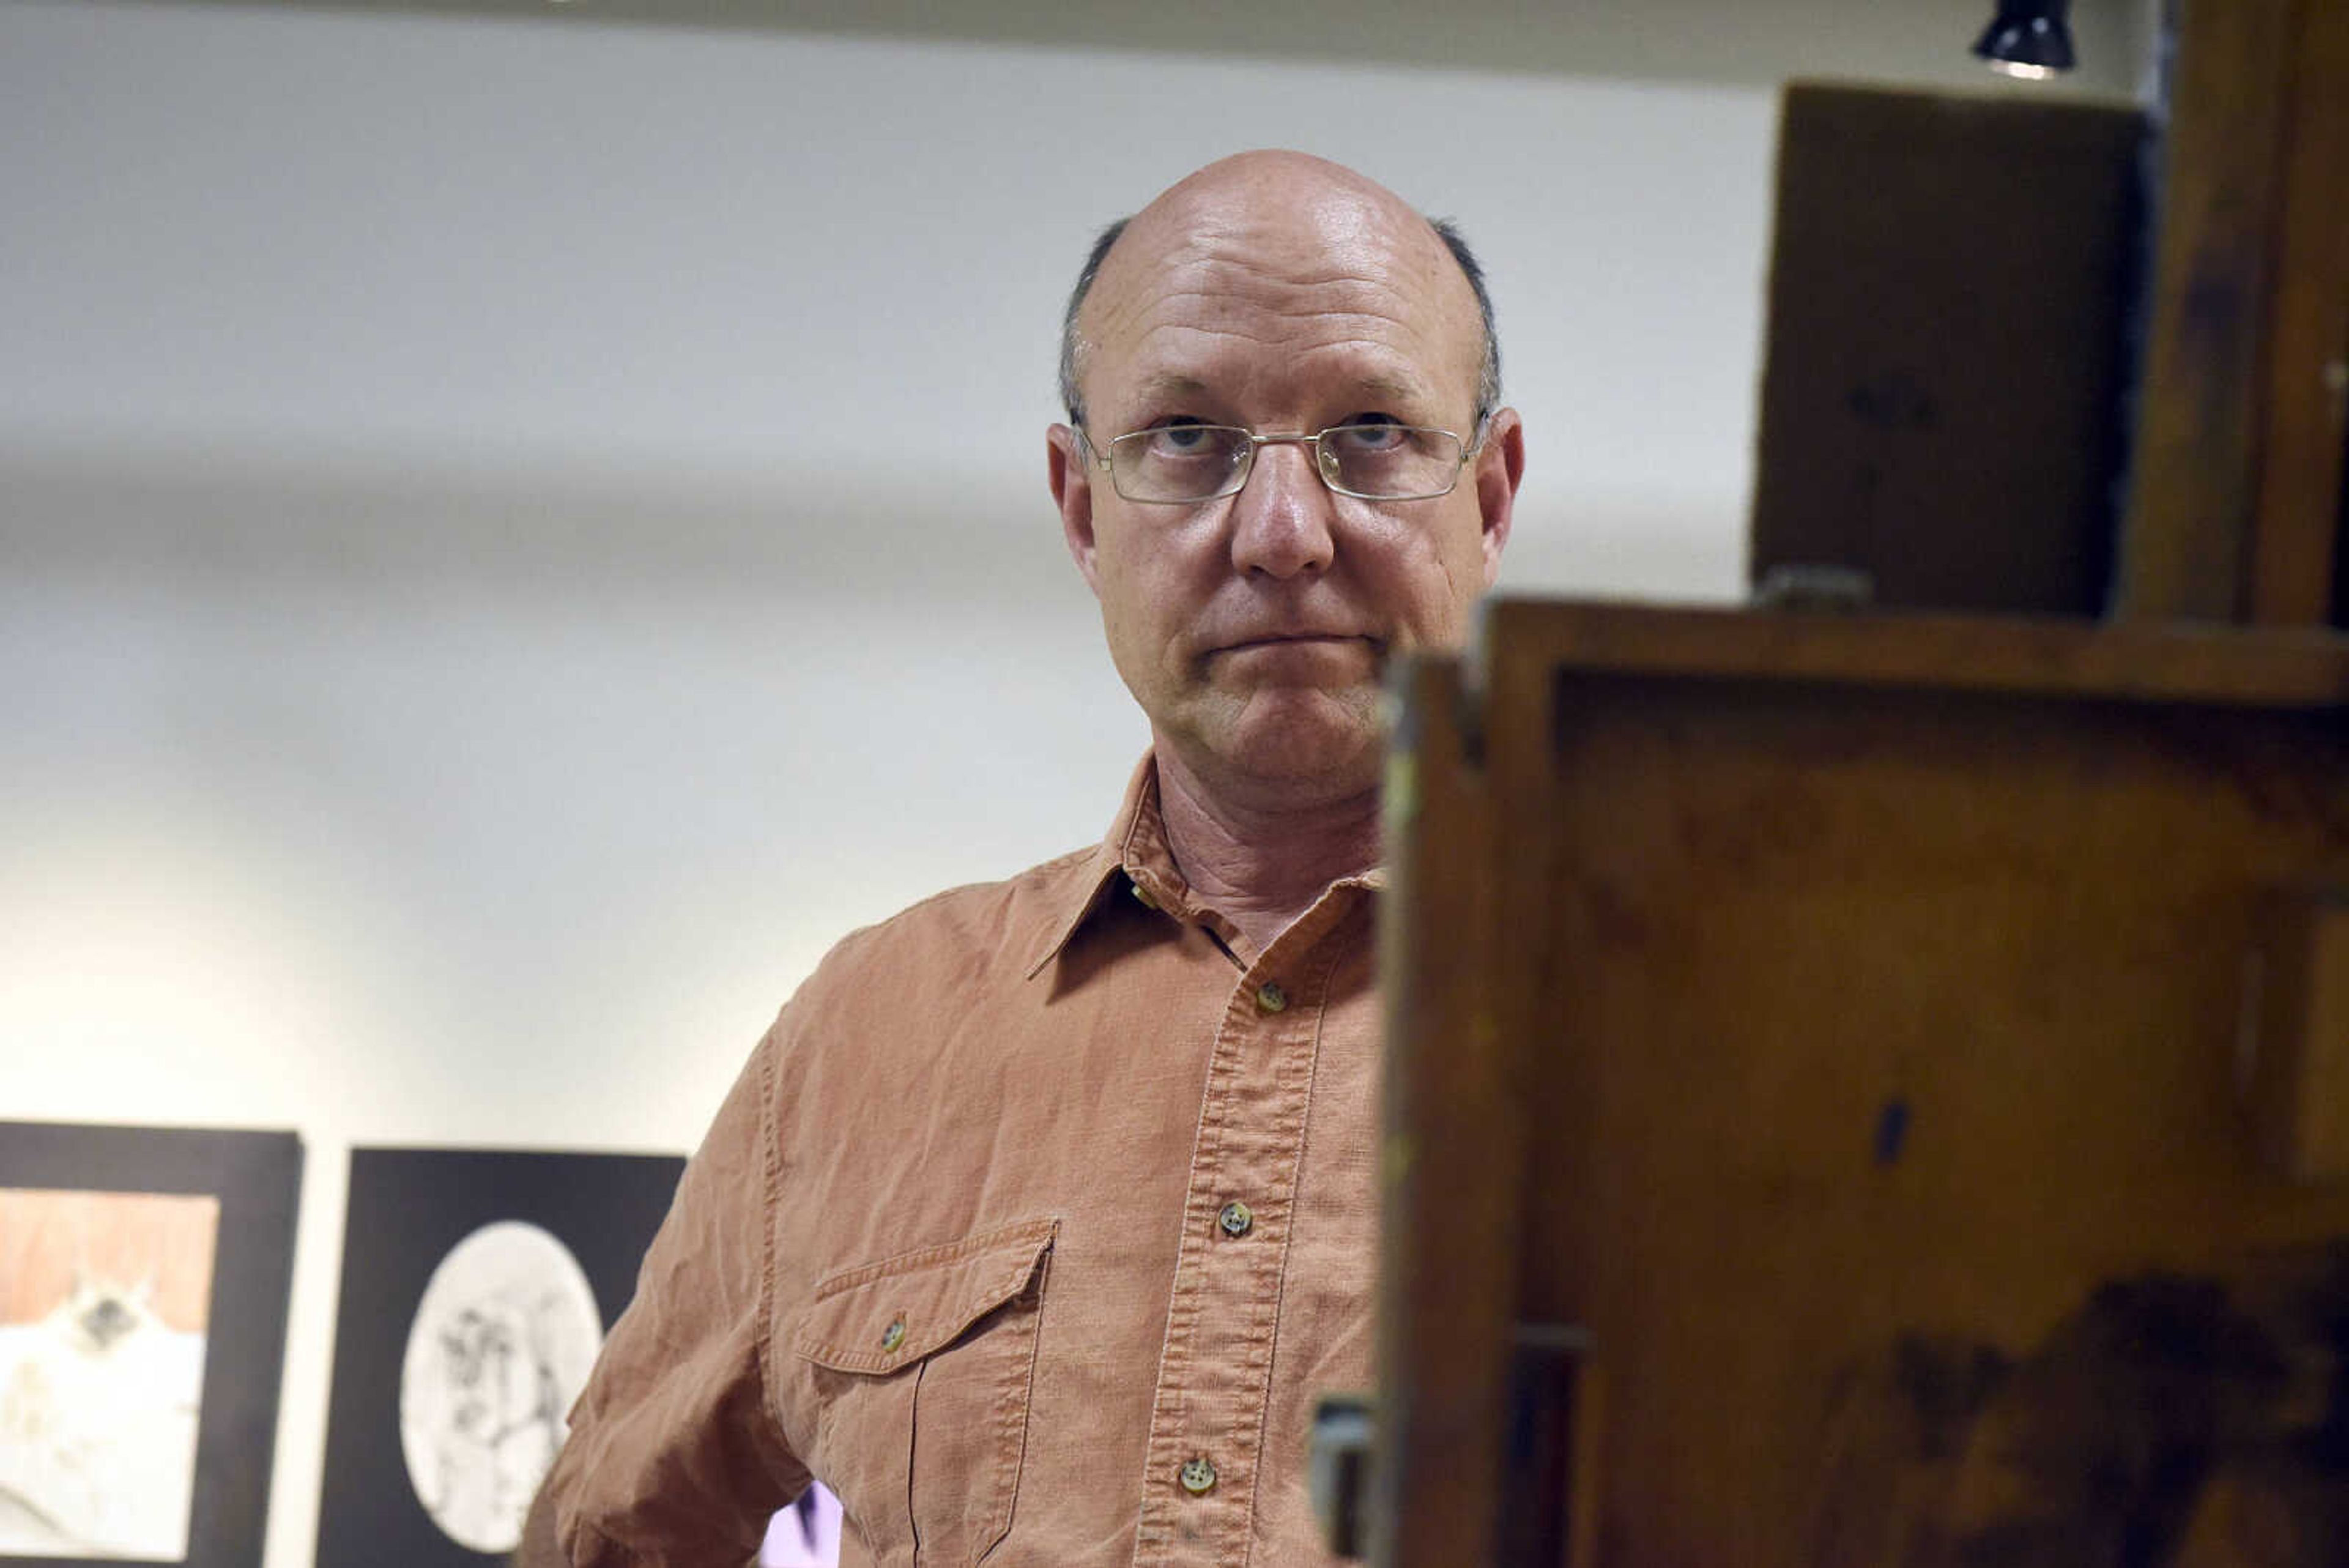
<point x="1185" y="465"/>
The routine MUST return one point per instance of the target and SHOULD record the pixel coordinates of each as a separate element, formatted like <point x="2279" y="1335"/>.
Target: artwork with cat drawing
<point x="104" y="1301"/>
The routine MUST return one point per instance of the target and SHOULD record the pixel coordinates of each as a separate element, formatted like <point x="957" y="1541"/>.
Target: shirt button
<point x="893" y="1336"/>
<point x="1142" y="896"/>
<point x="1198" y="1477"/>
<point x="1270" y="998"/>
<point x="1237" y="1219"/>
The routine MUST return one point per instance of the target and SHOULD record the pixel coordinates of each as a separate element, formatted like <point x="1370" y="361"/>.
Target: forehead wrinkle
<point x="1327" y="329"/>
<point x="1258" y="264"/>
<point x="1187" y="356"/>
<point x="1240" y="276"/>
<point x="1216" y="313"/>
<point x="1208" y="368"/>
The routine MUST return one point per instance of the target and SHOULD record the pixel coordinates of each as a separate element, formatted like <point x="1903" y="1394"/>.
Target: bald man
<point x="1043" y="1212"/>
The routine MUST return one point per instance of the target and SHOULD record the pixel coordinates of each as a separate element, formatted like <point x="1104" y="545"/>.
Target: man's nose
<point x="1282" y="518"/>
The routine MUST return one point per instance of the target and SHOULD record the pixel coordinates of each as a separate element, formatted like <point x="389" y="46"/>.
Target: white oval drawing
<point x="500" y="1348"/>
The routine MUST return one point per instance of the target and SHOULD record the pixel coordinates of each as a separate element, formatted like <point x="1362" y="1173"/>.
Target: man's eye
<point x="1181" y="438"/>
<point x="1370" y="433"/>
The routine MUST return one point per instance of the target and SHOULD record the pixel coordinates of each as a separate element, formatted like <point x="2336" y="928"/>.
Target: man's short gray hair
<point x="1488" y="375"/>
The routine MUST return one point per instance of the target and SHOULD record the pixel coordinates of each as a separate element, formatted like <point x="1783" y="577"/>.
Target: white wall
<point x="513" y="537"/>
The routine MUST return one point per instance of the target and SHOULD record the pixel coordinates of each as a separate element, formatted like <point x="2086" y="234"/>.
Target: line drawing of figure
<point x="500" y="1346"/>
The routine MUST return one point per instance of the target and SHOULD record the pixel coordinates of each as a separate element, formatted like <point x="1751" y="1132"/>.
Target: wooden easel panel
<point x="1884" y="1046"/>
<point x="2235" y="494"/>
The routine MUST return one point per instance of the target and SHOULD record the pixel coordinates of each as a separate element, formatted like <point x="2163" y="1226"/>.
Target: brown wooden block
<point x="1942" y="381"/>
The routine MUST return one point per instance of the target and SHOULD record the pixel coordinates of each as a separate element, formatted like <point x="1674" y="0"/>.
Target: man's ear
<point x="1071" y="477"/>
<point x="1500" y="466"/>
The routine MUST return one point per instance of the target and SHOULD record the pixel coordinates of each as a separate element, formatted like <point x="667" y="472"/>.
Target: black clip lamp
<point x="2028" y="38"/>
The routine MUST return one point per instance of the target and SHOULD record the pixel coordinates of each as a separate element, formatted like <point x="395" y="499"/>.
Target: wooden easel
<point x="1875" y="1090"/>
<point x="1820" y="1044"/>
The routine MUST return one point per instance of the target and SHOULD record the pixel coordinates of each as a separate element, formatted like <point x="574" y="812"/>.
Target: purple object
<point x="804" y="1535"/>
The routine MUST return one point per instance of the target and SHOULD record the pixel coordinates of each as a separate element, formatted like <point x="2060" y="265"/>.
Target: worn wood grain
<point x="2296" y="529"/>
<point x="1452" y="1134"/>
<point x="2194" y="479"/>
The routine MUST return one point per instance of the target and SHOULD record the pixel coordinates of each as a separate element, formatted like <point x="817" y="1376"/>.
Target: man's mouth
<point x="1305" y="642"/>
<point x="1278" y="638"/>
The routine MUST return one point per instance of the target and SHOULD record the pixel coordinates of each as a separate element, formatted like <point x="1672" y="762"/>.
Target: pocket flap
<point x="878" y="1317"/>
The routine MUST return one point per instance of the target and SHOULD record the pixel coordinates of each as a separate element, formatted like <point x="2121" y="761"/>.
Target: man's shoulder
<point x="970" y="929"/>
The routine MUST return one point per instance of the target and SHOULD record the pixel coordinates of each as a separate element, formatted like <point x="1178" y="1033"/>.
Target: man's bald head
<point x="1278" y="181"/>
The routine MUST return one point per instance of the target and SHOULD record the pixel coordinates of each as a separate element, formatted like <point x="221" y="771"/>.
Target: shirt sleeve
<point x="674" y="1455"/>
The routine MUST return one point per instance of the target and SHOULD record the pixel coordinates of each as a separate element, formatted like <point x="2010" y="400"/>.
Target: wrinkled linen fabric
<point x="1034" y="1227"/>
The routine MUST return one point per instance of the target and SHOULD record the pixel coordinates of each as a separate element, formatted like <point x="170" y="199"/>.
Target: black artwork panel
<point x="408" y="1210"/>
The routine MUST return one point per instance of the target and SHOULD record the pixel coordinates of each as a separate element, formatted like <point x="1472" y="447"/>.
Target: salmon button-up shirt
<point x="1033" y="1227"/>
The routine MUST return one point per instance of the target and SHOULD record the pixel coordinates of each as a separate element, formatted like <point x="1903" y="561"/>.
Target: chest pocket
<point x="926" y="1360"/>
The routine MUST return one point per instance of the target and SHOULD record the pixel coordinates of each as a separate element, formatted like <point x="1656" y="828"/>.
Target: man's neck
<point x="1263" y="861"/>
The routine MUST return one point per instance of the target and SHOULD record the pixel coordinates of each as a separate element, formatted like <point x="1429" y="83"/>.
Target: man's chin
<point x="1317" y="745"/>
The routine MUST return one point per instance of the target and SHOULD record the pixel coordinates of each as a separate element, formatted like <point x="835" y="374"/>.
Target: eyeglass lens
<point x="1199" y="463"/>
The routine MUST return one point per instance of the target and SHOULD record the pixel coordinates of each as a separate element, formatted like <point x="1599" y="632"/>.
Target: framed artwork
<point x="144" y="1274"/>
<point x="477" y="1287"/>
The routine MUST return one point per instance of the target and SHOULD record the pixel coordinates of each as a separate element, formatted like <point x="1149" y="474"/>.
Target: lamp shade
<point x="2028" y="37"/>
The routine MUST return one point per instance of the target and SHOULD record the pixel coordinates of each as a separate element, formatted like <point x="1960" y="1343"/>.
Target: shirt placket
<point x="1215" y="1374"/>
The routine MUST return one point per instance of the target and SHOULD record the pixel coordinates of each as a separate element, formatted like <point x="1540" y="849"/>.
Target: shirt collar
<point x="1135" y="854"/>
<point x="1136" y="827"/>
